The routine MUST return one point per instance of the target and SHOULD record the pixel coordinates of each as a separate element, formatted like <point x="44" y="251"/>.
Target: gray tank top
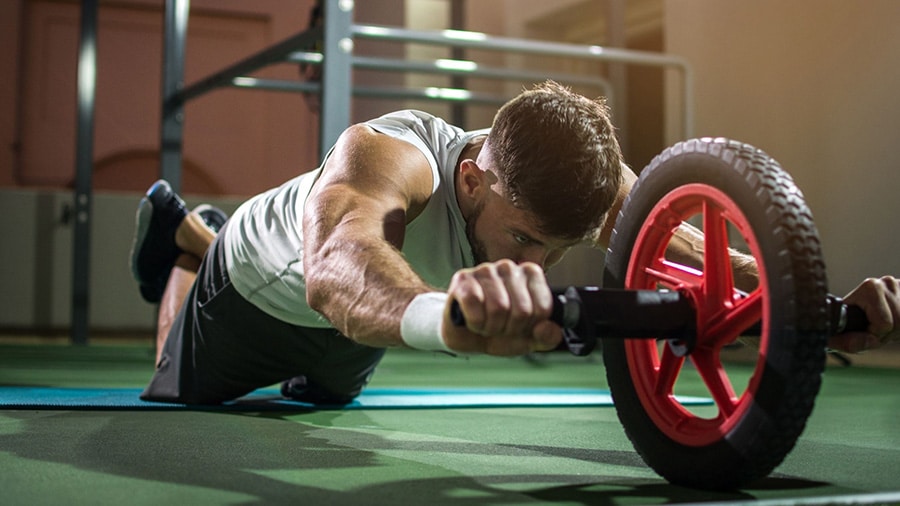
<point x="264" y="243"/>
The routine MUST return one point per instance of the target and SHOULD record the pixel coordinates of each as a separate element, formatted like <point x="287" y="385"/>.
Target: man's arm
<point x="353" y="227"/>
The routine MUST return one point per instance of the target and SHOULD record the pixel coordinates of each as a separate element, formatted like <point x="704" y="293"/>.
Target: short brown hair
<point x="557" y="156"/>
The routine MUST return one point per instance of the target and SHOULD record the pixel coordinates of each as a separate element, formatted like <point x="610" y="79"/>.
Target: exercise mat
<point x="269" y="400"/>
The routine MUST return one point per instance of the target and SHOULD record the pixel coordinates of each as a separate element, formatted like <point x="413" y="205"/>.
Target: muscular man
<point x="310" y="282"/>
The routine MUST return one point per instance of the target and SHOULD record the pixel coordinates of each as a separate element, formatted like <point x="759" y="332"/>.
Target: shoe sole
<point x="150" y="275"/>
<point x="142" y="219"/>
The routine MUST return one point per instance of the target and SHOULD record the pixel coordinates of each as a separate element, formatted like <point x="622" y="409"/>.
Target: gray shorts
<point x="221" y="347"/>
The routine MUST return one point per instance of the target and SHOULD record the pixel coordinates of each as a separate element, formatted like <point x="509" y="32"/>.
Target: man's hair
<point x="557" y="157"/>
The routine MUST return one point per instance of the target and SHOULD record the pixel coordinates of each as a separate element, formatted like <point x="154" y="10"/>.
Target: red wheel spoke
<point x="718" y="278"/>
<point x="669" y="367"/>
<point x="716" y="379"/>
<point x="736" y="321"/>
<point x="673" y="274"/>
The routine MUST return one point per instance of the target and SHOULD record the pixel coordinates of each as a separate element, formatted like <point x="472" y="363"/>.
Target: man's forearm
<point x="362" y="286"/>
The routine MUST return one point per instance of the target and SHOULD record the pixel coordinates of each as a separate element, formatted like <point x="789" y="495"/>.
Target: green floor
<point x="850" y="452"/>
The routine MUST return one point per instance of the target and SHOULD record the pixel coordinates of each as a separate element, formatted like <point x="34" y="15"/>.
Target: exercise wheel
<point x="741" y="199"/>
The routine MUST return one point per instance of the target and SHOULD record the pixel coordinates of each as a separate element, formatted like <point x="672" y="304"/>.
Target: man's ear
<point x="472" y="180"/>
<point x="472" y="186"/>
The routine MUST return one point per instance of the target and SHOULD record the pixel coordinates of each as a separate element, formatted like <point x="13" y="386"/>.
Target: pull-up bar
<point x="337" y="61"/>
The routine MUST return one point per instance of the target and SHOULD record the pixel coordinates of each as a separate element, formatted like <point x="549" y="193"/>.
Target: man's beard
<point x="479" y="253"/>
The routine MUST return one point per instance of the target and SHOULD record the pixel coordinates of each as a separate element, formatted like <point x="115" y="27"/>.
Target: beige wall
<point x="815" y="84"/>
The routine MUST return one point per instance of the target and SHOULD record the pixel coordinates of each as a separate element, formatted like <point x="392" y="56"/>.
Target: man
<point x="309" y="283"/>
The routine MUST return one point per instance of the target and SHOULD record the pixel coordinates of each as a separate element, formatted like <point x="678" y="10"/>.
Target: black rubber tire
<point x="790" y="379"/>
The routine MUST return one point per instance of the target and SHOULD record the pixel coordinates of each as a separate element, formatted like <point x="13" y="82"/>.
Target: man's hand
<point x="507" y="309"/>
<point x="880" y="299"/>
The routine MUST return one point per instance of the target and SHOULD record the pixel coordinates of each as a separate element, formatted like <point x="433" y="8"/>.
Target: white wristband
<point x="420" y="327"/>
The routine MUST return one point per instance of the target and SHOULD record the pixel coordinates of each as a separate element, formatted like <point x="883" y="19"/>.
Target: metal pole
<point x="172" y="121"/>
<point x="84" y="155"/>
<point x="447" y="67"/>
<point x="618" y="73"/>
<point x="336" y="73"/>
<point x="277" y="53"/>
<point x="457" y="22"/>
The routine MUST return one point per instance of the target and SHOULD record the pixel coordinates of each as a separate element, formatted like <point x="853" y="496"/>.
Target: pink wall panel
<point x="236" y="141"/>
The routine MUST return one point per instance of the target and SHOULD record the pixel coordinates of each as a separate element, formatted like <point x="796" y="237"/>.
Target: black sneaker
<point x="214" y="217"/>
<point x="299" y="388"/>
<point x="154" y="251"/>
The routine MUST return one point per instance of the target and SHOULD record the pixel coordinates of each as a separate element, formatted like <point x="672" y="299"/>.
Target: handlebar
<point x="589" y="313"/>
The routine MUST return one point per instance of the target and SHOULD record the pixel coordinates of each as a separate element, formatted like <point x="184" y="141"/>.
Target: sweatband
<point x="420" y="327"/>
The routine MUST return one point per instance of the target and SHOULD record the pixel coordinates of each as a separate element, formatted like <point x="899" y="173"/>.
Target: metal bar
<point x="432" y="93"/>
<point x="457" y="22"/>
<point x="617" y="71"/>
<point x="291" y="86"/>
<point x="274" y="54"/>
<point x="338" y="32"/>
<point x="172" y="119"/>
<point x="455" y="38"/>
<point x="454" y="67"/>
<point x="337" y="48"/>
<point x="84" y="156"/>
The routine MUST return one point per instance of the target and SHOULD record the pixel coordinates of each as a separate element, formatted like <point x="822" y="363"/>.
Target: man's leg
<point x="168" y="247"/>
<point x="193" y="236"/>
<point x="180" y="281"/>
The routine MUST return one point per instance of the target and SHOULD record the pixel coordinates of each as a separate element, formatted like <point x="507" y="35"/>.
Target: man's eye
<point x="521" y="239"/>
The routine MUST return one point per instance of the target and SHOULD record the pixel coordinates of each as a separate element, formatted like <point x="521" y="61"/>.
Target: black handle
<point x="566" y="313"/>
<point x="855" y="319"/>
<point x="618" y="313"/>
<point x="561" y="315"/>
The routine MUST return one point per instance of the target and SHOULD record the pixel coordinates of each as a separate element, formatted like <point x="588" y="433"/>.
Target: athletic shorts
<point x="222" y="347"/>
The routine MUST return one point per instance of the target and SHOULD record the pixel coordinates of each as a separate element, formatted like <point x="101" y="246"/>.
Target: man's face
<point x="498" y="230"/>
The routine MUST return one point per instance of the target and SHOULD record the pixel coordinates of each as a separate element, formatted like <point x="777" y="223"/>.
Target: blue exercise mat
<point x="373" y="398"/>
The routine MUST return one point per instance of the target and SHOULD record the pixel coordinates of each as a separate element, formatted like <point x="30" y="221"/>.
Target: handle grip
<point x="561" y="315"/>
<point x="854" y="319"/>
<point x="581" y="331"/>
<point x="566" y="313"/>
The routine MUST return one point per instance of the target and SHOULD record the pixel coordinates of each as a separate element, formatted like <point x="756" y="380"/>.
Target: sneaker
<point x="214" y="217"/>
<point x="153" y="252"/>
<point x="299" y="388"/>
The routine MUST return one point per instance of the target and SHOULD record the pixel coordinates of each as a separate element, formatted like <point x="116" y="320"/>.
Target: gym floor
<point x="848" y="454"/>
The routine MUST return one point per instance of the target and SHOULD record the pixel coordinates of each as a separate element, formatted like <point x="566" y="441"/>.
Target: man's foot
<point x="299" y="388"/>
<point x="214" y="217"/>
<point x="154" y="251"/>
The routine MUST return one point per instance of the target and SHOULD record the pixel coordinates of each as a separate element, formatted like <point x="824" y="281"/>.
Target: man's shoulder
<point x="413" y="120"/>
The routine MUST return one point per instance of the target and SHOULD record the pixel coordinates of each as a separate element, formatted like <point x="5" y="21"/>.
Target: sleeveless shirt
<point x="264" y="237"/>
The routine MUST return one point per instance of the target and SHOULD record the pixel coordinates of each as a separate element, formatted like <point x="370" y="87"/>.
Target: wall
<point x="36" y="271"/>
<point x="236" y="142"/>
<point x="814" y="83"/>
<point x="10" y="59"/>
